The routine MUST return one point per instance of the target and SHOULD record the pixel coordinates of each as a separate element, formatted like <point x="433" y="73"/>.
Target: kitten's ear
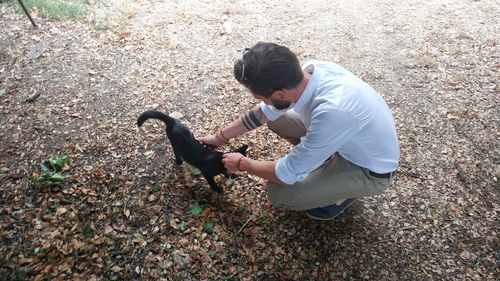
<point x="242" y="149"/>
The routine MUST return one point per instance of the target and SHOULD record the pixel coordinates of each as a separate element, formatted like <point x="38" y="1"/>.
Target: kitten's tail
<point x="169" y="121"/>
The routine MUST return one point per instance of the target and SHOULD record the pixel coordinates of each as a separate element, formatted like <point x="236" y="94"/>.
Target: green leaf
<point x="197" y="209"/>
<point x="45" y="166"/>
<point x="156" y="187"/>
<point x="87" y="231"/>
<point x="58" y="162"/>
<point x="196" y="171"/>
<point x="434" y="213"/>
<point x="53" y="208"/>
<point x="40" y="178"/>
<point x="182" y="226"/>
<point x="51" y="169"/>
<point x="476" y="264"/>
<point x="57" y="177"/>
<point x="209" y="226"/>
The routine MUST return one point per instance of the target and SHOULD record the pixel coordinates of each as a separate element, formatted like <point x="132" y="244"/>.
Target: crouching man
<point x="345" y="139"/>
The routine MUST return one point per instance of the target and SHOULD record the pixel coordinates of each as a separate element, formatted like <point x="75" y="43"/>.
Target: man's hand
<point x="232" y="161"/>
<point x="210" y="140"/>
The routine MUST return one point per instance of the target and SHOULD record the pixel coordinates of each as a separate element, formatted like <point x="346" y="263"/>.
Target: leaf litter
<point x="126" y="211"/>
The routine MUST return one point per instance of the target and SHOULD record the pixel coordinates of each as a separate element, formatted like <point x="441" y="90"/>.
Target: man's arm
<point x="249" y="121"/>
<point x="235" y="162"/>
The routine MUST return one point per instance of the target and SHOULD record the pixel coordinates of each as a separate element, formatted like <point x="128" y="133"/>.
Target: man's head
<point x="266" y="68"/>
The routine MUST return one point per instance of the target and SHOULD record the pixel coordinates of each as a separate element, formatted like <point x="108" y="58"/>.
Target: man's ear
<point x="279" y="94"/>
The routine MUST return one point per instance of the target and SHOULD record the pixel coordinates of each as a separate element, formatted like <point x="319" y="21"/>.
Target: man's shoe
<point x="329" y="212"/>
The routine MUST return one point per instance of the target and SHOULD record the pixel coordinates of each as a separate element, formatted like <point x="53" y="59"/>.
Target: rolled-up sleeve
<point x="329" y="129"/>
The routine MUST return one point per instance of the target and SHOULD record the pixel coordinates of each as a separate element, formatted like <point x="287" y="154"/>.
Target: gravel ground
<point x="125" y="212"/>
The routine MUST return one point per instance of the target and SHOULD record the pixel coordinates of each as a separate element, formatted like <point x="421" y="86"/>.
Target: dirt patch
<point x="124" y="210"/>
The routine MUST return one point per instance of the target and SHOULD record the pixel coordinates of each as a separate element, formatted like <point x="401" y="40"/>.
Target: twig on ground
<point x="394" y="237"/>
<point x="245" y="224"/>
<point x="381" y="241"/>
<point x="119" y="252"/>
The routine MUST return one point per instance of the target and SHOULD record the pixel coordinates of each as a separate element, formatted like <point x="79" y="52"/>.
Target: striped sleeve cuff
<point x="250" y="120"/>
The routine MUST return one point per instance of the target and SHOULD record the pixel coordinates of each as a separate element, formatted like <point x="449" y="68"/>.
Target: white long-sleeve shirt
<point x="342" y="114"/>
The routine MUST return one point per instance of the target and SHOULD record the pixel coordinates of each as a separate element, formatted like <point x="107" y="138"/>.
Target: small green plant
<point x="156" y="187"/>
<point x="55" y="163"/>
<point x="86" y="231"/>
<point x="209" y="226"/>
<point x="53" y="208"/>
<point x="51" y="172"/>
<point x="182" y="227"/>
<point x="59" y="9"/>
<point x="197" y="209"/>
<point x="476" y="264"/>
<point x="39" y="250"/>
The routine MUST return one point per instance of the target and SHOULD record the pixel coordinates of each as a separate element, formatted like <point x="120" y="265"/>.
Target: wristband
<point x="222" y="136"/>
<point x="238" y="164"/>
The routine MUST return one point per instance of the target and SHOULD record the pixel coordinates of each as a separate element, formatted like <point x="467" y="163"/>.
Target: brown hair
<point x="267" y="67"/>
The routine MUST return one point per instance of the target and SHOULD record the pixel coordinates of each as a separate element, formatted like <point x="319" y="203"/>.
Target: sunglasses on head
<point x="245" y="51"/>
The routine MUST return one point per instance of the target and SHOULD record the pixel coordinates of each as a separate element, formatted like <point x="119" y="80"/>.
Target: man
<point x="345" y="139"/>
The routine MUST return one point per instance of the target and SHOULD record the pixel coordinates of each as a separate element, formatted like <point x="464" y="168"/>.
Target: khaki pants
<point x="335" y="179"/>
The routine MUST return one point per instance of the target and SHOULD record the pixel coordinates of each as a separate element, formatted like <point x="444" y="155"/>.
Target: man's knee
<point x="276" y="195"/>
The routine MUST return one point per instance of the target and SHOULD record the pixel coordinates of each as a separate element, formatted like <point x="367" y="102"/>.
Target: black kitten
<point x="187" y="148"/>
